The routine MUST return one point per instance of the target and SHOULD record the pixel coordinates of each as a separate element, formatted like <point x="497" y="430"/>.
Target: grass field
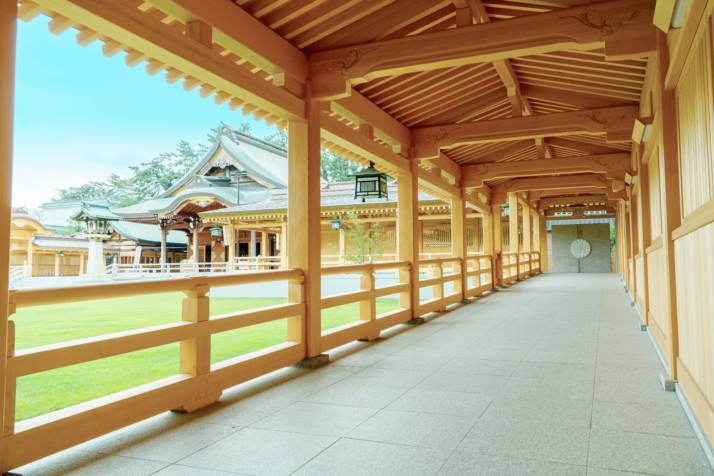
<point x="55" y="389"/>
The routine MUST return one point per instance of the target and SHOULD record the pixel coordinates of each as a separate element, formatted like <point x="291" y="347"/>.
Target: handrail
<point x="89" y="292"/>
<point x="359" y="268"/>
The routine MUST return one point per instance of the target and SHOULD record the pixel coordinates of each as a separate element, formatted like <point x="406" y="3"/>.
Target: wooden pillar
<point x="670" y="195"/>
<point x="543" y="240"/>
<point x="527" y="235"/>
<point x="408" y="235"/>
<point x="458" y="242"/>
<point x="342" y="245"/>
<point x="229" y="240"/>
<point x="264" y="243"/>
<point x="30" y="260"/>
<point x="8" y="26"/>
<point x="304" y="226"/>
<point x="196" y="231"/>
<point x="496" y="244"/>
<point x="419" y="236"/>
<point x="513" y="229"/>
<point x="283" y="245"/>
<point x="645" y="230"/>
<point x="81" y="264"/>
<point x="252" y="252"/>
<point x="57" y="264"/>
<point x="164" y="248"/>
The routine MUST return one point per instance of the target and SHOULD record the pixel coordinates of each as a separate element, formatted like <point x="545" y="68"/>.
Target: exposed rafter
<point x="622" y="27"/>
<point x="544" y="203"/>
<point x="615" y="122"/>
<point x="614" y="166"/>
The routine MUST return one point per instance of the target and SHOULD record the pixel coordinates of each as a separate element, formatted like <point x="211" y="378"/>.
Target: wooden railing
<point x="478" y="275"/>
<point x="442" y="270"/>
<point x="509" y="264"/>
<point x="369" y="324"/>
<point x="535" y="262"/>
<point x="18" y="272"/>
<point x="197" y="384"/>
<point x="524" y="265"/>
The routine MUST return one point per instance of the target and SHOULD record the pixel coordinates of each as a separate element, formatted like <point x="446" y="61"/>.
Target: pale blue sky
<point x="80" y="116"/>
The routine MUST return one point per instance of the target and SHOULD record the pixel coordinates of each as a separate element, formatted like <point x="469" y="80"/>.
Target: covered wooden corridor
<point x="553" y="376"/>
<point x="518" y="111"/>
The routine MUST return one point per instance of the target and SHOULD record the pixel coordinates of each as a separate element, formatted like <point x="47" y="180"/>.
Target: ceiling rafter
<point x="614" y="122"/>
<point x="623" y="27"/>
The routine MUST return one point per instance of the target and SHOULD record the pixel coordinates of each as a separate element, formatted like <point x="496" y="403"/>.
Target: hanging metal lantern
<point x="336" y="224"/>
<point x="370" y="183"/>
<point x="216" y="232"/>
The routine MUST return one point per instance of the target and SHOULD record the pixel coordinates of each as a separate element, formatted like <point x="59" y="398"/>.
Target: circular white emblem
<point x="580" y="248"/>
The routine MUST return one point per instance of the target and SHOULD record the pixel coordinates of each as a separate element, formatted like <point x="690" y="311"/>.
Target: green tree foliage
<point x="366" y="240"/>
<point x="149" y="179"/>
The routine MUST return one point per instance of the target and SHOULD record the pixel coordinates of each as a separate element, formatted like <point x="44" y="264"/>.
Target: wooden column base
<point x="416" y="321"/>
<point x="314" y="362"/>
<point x="199" y="402"/>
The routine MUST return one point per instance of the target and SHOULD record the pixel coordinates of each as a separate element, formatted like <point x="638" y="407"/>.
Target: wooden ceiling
<point x="418" y="99"/>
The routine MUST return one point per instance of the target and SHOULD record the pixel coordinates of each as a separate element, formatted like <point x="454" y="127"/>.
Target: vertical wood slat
<point x="8" y="31"/>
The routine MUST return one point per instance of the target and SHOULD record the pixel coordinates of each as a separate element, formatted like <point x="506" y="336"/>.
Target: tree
<point x="148" y="179"/>
<point x="366" y="239"/>
<point x="333" y="168"/>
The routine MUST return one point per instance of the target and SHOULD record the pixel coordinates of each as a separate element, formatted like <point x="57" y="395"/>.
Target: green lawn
<point x="48" y="391"/>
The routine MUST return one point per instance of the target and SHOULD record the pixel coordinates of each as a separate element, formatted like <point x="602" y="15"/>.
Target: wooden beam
<point x="344" y="136"/>
<point x="358" y="109"/>
<point x="615" y="166"/>
<point x="241" y="33"/>
<point x="447" y="165"/>
<point x="559" y="96"/>
<point x="436" y="184"/>
<point x="131" y="28"/>
<point x="571" y="182"/>
<point x="623" y="28"/>
<point x="544" y="203"/>
<point x="615" y="122"/>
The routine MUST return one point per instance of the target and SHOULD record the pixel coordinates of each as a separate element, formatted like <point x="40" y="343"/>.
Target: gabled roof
<point x="263" y="161"/>
<point x="94" y="210"/>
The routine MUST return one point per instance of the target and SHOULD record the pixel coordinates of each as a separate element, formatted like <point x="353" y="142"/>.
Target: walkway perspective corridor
<point x="552" y="376"/>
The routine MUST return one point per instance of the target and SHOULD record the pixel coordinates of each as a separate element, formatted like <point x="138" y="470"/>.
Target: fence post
<point x="195" y="353"/>
<point x="368" y="307"/>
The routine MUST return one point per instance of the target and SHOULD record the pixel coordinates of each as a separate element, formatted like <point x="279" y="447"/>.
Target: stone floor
<point x="551" y="377"/>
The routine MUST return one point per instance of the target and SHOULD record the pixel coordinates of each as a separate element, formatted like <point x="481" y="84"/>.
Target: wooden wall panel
<point x="658" y="321"/>
<point x="639" y="277"/>
<point x="654" y="196"/>
<point x="694" y="255"/>
<point x="695" y="126"/>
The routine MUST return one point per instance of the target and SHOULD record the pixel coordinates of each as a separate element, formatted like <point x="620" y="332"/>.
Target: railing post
<point x="437" y="271"/>
<point x="304" y="229"/>
<point x="195" y="354"/>
<point x="368" y="307"/>
<point x="8" y="29"/>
